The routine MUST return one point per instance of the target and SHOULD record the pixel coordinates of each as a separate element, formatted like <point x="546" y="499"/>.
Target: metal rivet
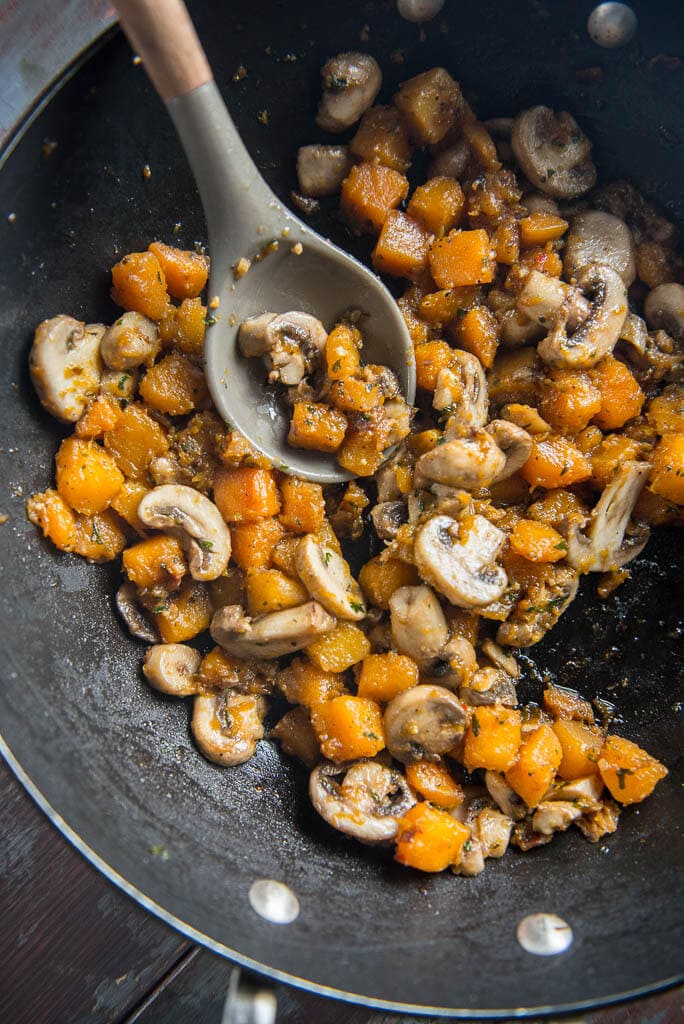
<point x="612" y="25"/>
<point x="544" y="934"/>
<point x="419" y="10"/>
<point x="274" y="901"/>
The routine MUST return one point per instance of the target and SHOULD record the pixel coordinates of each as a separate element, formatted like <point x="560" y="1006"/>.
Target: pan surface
<point x="111" y="761"/>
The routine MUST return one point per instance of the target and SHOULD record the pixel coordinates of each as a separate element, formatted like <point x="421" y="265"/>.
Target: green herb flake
<point x="327" y="556"/>
<point x="122" y="381"/>
<point x="159" y="608"/>
<point x="336" y="83"/>
<point x="336" y="365"/>
<point x="356" y="606"/>
<point x="562" y="545"/>
<point x="206" y="545"/>
<point x="95" y="537"/>
<point x="475" y="726"/>
<point x="157" y="850"/>
<point x="210" y="319"/>
<point x="621" y="773"/>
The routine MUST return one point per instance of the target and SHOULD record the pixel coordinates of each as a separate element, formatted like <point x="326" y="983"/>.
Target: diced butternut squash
<point x="156" y="561"/>
<point x="285" y="555"/>
<point x="228" y="588"/>
<point x="316" y="427"/>
<point x="581" y="745"/>
<point x="126" y="500"/>
<point x="364" y="443"/>
<point x="354" y="395"/>
<point x="339" y="649"/>
<point x="621" y="396"/>
<point x="462" y="258"/>
<point x="492" y="739"/>
<point x="438" y="205"/>
<point x="441" y="307"/>
<point x="612" y="452"/>
<point x="303" y="682"/>
<point x="481" y="144"/>
<point x="629" y="773"/>
<point x="219" y="671"/>
<point x="653" y="509"/>
<point x="245" y="494"/>
<point x="667" y="477"/>
<point x="430" y="839"/>
<point x="382" y="138"/>
<point x="270" y="590"/>
<point x="138" y="284"/>
<point x="513" y="377"/>
<point x="535" y="769"/>
<point x="135" y="441"/>
<point x="434" y="782"/>
<point x="368" y="194"/>
<point x="253" y="543"/>
<point x="381" y="576"/>
<point x="431" y="359"/>
<point x="87" y="476"/>
<point x="190" y="327"/>
<point x="383" y="676"/>
<point x="342" y="352"/>
<point x="235" y="450"/>
<point x="431" y="104"/>
<point x="568" y="400"/>
<point x="183" y="615"/>
<point x="174" y="385"/>
<point x="476" y="332"/>
<point x="295" y="734"/>
<point x="666" y="412"/>
<point x="185" y="272"/>
<point x="419" y="331"/>
<point x="100" y="537"/>
<point x="555" y="462"/>
<point x="506" y="242"/>
<point x="424" y="441"/>
<point x="101" y="415"/>
<point x="541" y="227"/>
<point x="538" y="542"/>
<point x="402" y="248"/>
<point x="303" y="505"/>
<point x="50" y="512"/>
<point x="348" y="728"/>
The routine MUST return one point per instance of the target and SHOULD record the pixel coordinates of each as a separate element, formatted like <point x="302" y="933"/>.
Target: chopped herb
<point x="123" y="402"/>
<point x="336" y="83"/>
<point x="550" y="171"/>
<point x="159" y="851"/>
<point x="566" y="467"/>
<point x="209" y="319"/>
<point x="122" y="381"/>
<point x="229" y="426"/>
<point x="375" y="796"/>
<point x="159" y="608"/>
<point x="336" y="365"/>
<point x="356" y="606"/>
<point x="370" y="735"/>
<point x="562" y="545"/>
<point x="621" y="772"/>
<point x="206" y="545"/>
<point x="95" y="537"/>
<point x="159" y="277"/>
<point x="475" y="726"/>
<point x="467" y="846"/>
<point x="327" y="556"/>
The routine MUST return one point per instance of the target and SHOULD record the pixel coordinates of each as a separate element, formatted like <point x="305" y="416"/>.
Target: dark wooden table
<point x="76" y="950"/>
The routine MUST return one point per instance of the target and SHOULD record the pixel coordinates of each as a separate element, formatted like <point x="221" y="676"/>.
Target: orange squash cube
<point x="190" y="327"/>
<point x="538" y="542"/>
<point x="295" y="734"/>
<point x="245" y="494"/>
<point x="316" y="427"/>
<point x="348" y="728"/>
<point x="382" y="138"/>
<point x="302" y="682"/>
<point x="368" y="194"/>
<point x="383" y="676"/>
<point x="269" y="590"/>
<point x="538" y="760"/>
<point x="621" y="396"/>
<point x="185" y="272"/>
<point x="101" y="415"/>
<point x="581" y="745"/>
<point x="339" y="649"/>
<point x="50" y="512"/>
<point x="135" y="441"/>
<point x="629" y="773"/>
<point x="462" y="258"/>
<point x="138" y="284"/>
<point x="402" y="248"/>
<point x="476" y="331"/>
<point x="342" y="352"/>
<point x="431" y="359"/>
<point x="434" y="782"/>
<point x="156" y="561"/>
<point x="99" y="537"/>
<point x="438" y="204"/>
<point x="568" y="400"/>
<point x="126" y="500"/>
<point x="380" y="577"/>
<point x="430" y="839"/>
<point x="541" y="227"/>
<point x="492" y="739"/>
<point x="555" y="462"/>
<point x="174" y="385"/>
<point x="183" y="615"/>
<point x="253" y="543"/>
<point x="87" y="476"/>
<point x="431" y="104"/>
<point x="667" y="477"/>
<point x="441" y="307"/>
<point x="303" y="505"/>
<point x="355" y="395"/>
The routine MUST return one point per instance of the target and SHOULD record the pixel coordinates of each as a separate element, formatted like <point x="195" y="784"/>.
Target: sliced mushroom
<point x="537" y="202"/>
<point x="227" y="726"/>
<point x="165" y="469"/>
<point x="602" y="548"/>
<point x="132" y="340"/>
<point x="625" y="201"/>
<point x="467" y="462"/>
<point x="272" y="635"/>
<point x="195" y="520"/>
<point x="596" y="824"/>
<point x="585" y="792"/>
<point x="494" y="831"/>
<point x="351" y="81"/>
<point x="450" y="162"/>
<point x="419" y="627"/>
<point x="122" y="387"/>
<point x="543" y="297"/>
<point x="366" y="804"/>
<point x="472" y="862"/>
<point x="462" y="391"/>
<point x="423" y="723"/>
<point x="553" y="152"/>
<point x="528" y="622"/>
<point x="131" y="611"/>
<point x="459" y="559"/>
<point x="597" y="335"/>
<point x="500" y="658"/>
<point x="397" y="415"/>
<point x="555" y="816"/>
<point x="512" y="805"/>
<point x="65" y="365"/>
<point x="597" y="237"/>
<point x="327" y="577"/>
<point x="514" y="442"/>
<point x="388" y="517"/>
<point x="419" y="10"/>
<point x="489" y="686"/>
<point x="517" y="330"/>
<point x="664" y="308"/>
<point x="454" y="666"/>
<point x="172" y="669"/>
<point x="322" y="169"/>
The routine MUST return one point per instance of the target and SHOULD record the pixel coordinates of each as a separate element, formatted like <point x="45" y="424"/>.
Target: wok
<point x="111" y="761"/>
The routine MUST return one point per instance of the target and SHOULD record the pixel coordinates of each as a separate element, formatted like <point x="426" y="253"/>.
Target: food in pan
<point x="547" y="439"/>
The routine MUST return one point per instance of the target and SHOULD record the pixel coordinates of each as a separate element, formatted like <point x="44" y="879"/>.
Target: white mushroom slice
<point x="602" y="549"/>
<point x="489" y="686"/>
<point x="227" y="726"/>
<point x="502" y="659"/>
<point x="133" y="614"/>
<point x="423" y="723"/>
<point x="553" y="152"/>
<point x="65" y="365"/>
<point x="172" y="669"/>
<point x="351" y="81"/>
<point x="397" y="419"/>
<point x="322" y="169"/>
<point x="121" y="386"/>
<point x="664" y="307"/>
<point x="419" y="10"/>
<point x="494" y="831"/>
<point x="450" y="162"/>
<point x="272" y="635"/>
<point x="635" y="333"/>
<point x="459" y="559"/>
<point x="254" y="338"/>
<point x="291" y="344"/>
<point x="167" y="470"/>
<point x="514" y="442"/>
<point x="132" y="340"/>
<point x="555" y="816"/>
<point x="462" y="392"/>
<point x="465" y="462"/>
<point x="517" y="330"/>
<point x="537" y="202"/>
<point x="585" y="792"/>
<point x="195" y="520"/>
<point x="597" y="335"/>
<point x="512" y="805"/>
<point x="419" y="627"/>
<point x="366" y="804"/>
<point x="597" y="237"/>
<point x="454" y="666"/>
<point x="472" y="860"/>
<point x="388" y="517"/>
<point x="543" y="296"/>
<point x="327" y="577"/>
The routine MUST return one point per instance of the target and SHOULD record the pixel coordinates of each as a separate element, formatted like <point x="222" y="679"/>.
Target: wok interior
<point x="113" y="758"/>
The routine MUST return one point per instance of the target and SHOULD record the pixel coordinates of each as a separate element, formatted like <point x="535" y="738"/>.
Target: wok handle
<point x="162" y="33"/>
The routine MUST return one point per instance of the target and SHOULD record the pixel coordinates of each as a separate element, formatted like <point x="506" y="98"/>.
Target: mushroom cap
<point x="132" y="340"/>
<point x="598" y="237"/>
<point x="459" y="559"/>
<point x="195" y="520"/>
<point x="272" y="635"/>
<point x="369" y="802"/>
<point x="468" y="462"/>
<point x="419" y="627"/>
<point x="327" y="577"/>
<point x="597" y="336"/>
<point x="226" y="726"/>
<point x="65" y="365"/>
<point x="602" y="549"/>
<point x="514" y="442"/>
<point x="553" y="152"/>
<point x="351" y="81"/>
<point x="423" y="722"/>
<point x="664" y="307"/>
<point x="133" y="614"/>
<point x="172" y="668"/>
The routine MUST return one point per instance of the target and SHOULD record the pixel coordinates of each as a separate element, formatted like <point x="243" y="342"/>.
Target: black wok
<point x="110" y="761"/>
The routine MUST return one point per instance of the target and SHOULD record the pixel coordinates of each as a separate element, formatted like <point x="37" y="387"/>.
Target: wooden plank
<point x="73" y="949"/>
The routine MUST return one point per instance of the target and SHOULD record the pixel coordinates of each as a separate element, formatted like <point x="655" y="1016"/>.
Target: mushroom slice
<point x="514" y="442"/>
<point x="322" y="169"/>
<point x="195" y="520"/>
<point x="472" y="860"/>
<point x="118" y="385"/>
<point x="602" y="548"/>
<point x="130" y="610"/>
<point x="494" y="831"/>
<point x="512" y="805"/>
<point x="366" y="804"/>
<point x="467" y="462"/>
<point x="419" y="627"/>
<point x="543" y="296"/>
<point x="597" y="335"/>
<point x="388" y="517"/>
<point x="597" y="237"/>
<point x="664" y="308"/>
<point x="423" y="723"/>
<point x="132" y="340"/>
<point x="172" y="669"/>
<point x="454" y="665"/>
<point x="555" y="816"/>
<point x="226" y="726"/>
<point x="459" y="559"/>
<point x="585" y="792"/>
<point x="65" y="365"/>
<point x="272" y="635"/>
<point x="327" y="577"/>
<point x="291" y="344"/>
<point x="489" y="686"/>
<point x="501" y="659"/>
<point x="351" y="81"/>
<point x="553" y="152"/>
<point x="462" y="391"/>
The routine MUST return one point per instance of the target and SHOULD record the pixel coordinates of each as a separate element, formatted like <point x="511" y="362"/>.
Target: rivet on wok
<point x="612" y="25"/>
<point x="274" y="901"/>
<point x="544" y="934"/>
